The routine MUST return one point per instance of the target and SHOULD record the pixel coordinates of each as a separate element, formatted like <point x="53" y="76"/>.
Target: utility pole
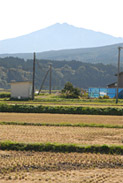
<point x="33" y="79"/>
<point x="118" y="73"/>
<point x="50" y="80"/>
<point x="43" y="82"/>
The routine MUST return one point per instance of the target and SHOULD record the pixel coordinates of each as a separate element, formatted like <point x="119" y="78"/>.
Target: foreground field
<point x="72" y="135"/>
<point x="60" y="167"/>
<point x="54" y="167"/>
<point x="61" y="118"/>
<point x="73" y="176"/>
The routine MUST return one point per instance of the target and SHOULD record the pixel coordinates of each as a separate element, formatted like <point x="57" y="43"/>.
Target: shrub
<point x="84" y="93"/>
<point x="70" y="92"/>
<point x="5" y="95"/>
<point x="105" y="97"/>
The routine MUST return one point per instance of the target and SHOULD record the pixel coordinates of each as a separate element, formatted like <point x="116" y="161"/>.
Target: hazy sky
<point x="19" y="17"/>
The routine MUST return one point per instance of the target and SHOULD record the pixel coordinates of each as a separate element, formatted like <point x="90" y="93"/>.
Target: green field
<point x="57" y="99"/>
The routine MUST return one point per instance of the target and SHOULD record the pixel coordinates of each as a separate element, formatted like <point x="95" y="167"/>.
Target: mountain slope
<point x="105" y="54"/>
<point x="55" y="37"/>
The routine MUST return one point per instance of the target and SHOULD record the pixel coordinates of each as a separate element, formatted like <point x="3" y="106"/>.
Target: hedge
<point x="60" y="109"/>
<point x="5" y="95"/>
<point x="53" y="147"/>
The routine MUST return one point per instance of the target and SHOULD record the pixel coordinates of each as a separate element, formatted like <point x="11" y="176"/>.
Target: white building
<point x="21" y="90"/>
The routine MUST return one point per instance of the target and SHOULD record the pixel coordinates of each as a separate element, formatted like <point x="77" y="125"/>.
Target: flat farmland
<point x="16" y="166"/>
<point x="56" y="100"/>
<point x="102" y="105"/>
<point x="61" y="118"/>
<point x="72" y="135"/>
<point x="104" y="175"/>
<point x="55" y="167"/>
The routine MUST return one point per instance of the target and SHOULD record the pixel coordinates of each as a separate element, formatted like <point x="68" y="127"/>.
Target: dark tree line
<point x="82" y="75"/>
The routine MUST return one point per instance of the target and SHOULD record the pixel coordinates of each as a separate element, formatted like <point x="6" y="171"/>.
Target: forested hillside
<point x="105" y="54"/>
<point x="80" y="74"/>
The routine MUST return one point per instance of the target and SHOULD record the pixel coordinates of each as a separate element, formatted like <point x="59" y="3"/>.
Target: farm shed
<point x="21" y="90"/>
<point x="114" y="85"/>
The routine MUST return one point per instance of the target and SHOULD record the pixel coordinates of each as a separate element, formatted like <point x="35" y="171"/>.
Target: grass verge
<point x="53" y="147"/>
<point x="94" y="125"/>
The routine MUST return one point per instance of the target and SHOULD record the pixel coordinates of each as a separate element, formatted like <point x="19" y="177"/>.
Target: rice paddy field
<point x="61" y="135"/>
<point x="61" y="167"/>
<point x="61" y="118"/>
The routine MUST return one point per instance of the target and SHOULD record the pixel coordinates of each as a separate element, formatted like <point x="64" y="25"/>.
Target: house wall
<point x="121" y="81"/>
<point x="112" y="86"/>
<point x="21" y="90"/>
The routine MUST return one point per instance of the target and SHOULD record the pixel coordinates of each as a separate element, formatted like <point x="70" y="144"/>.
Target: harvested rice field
<point x="16" y="166"/>
<point x="61" y="118"/>
<point x="73" y="176"/>
<point x="72" y="135"/>
<point x="54" y="167"/>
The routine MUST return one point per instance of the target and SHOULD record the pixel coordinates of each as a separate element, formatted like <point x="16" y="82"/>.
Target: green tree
<point x="70" y="92"/>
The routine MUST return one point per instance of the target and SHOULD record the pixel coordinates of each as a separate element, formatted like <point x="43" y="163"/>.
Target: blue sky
<point x="19" y="17"/>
